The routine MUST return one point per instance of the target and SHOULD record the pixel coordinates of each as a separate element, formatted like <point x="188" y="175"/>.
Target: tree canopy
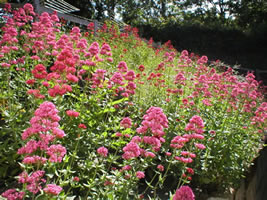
<point x="243" y="13"/>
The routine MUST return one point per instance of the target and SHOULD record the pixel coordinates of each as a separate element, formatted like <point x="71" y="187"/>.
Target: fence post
<point x="36" y="4"/>
<point x="258" y="76"/>
<point x="95" y="27"/>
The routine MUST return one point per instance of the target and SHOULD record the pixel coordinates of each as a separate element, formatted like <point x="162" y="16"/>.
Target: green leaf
<point x="50" y="175"/>
<point x="41" y="197"/>
<point x="85" y="67"/>
<point x="70" y="198"/>
<point x="110" y="196"/>
<point x="118" y="101"/>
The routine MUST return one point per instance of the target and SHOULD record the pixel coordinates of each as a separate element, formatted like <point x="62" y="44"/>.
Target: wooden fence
<point x="41" y="6"/>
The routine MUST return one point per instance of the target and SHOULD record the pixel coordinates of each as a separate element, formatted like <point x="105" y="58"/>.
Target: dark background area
<point x="231" y="46"/>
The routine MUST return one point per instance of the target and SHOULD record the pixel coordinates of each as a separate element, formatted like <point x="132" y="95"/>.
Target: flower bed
<point x="111" y="117"/>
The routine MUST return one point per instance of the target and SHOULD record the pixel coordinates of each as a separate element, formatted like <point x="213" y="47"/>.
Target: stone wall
<point x="254" y="186"/>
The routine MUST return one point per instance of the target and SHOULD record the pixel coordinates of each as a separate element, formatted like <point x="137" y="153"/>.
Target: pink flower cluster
<point x="140" y="174"/>
<point x="123" y="78"/>
<point x="184" y="193"/>
<point x="260" y="115"/>
<point x="184" y="59"/>
<point x="202" y="60"/>
<point x="36" y="93"/>
<point x="44" y="129"/>
<point x="94" y="49"/>
<point x="20" y="17"/>
<point x="160" y="167"/>
<point x="186" y="157"/>
<point x="117" y="78"/>
<point x="63" y="71"/>
<point x="131" y="150"/>
<point x="72" y="113"/>
<point x="52" y="189"/>
<point x="39" y="71"/>
<point x="33" y="181"/>
<point x="155" y="121"/>
<point x="103" y="151"/>
<point x="180" y="79"/>
<point x="13" y="194"/>
<point x="178" y="142"/>
<point x="98" y="78"/>
<point x="29" y="160"/>
<point x="154" y="141"/>
<point x="56" y="153"/>
<point x="169" y="56"/>
<point x="105" y="50"/>
<point x="195" y="126"/>
<point x="126" y="122"/>
<point x="39" y="39"/>
<point x="122" y="67"/>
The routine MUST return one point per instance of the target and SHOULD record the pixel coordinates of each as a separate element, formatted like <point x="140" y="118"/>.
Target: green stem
<point x="150" y="183"/>
<point x="163" y="179"/>
<point x="180" y="179"/>
<point x="225" y="118"/>
<point x="90" y="183"/>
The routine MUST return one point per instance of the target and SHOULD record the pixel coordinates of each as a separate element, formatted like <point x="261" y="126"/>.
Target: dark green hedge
<point x="229" y="44"/>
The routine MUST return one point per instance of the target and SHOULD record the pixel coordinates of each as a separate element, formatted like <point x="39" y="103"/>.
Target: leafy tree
<point x="86" y="8"/>
<point x="251" y="13"/>
<point x="245" y="13"/>
<point x="208" y="11"/>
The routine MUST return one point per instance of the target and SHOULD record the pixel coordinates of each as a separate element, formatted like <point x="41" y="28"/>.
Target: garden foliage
<point x="111" y="117"/>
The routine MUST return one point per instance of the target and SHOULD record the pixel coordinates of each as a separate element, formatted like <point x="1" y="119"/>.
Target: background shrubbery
<point x="229" y="44"/>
